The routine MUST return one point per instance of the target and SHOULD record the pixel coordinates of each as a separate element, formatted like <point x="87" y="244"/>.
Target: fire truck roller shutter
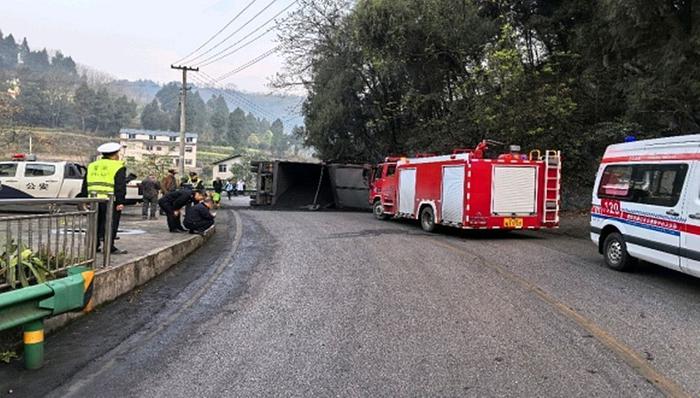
<point x="514" y="190"/>
<point x="453" y="194"/>
<point x="407" y="191"/>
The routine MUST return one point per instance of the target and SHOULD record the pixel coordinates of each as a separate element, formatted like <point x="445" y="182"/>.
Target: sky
<point x="139" y="39"/>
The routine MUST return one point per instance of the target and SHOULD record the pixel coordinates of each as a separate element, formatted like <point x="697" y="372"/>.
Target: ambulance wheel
<point x="615" y="252"/>
<point x="427" y="219"/>
<point x="378" y="210"/>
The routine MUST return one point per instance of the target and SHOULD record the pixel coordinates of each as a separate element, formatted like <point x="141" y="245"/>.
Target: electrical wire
<point x="193" y="60"/>
<point x="238" y="98"/>
<point x="217" y="33"/>
<point x="218" y="56"/>
<point x="247" y="64"/>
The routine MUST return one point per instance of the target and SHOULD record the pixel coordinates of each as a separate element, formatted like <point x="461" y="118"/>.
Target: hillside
<point x="265" y="106"/>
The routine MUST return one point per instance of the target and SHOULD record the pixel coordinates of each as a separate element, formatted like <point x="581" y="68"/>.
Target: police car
<point x="23" y="177"/>
<point x="646" y="204"/>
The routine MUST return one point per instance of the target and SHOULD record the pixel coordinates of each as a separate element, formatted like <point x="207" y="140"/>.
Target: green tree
<point x="279" y="142"/>
<point x="83" y="99"/>
<point x="8" y="52"/>
<point x="153" y="118"/>
<point x="236" y="133"/>
<point x="218" y="109"/>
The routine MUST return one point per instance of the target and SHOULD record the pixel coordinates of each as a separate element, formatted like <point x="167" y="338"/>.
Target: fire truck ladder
<point x="552" y="184"/>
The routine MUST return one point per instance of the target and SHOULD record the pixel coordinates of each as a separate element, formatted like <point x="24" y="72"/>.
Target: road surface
<point x="340" y="304"/>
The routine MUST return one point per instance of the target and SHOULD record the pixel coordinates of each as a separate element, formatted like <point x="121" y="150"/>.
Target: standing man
<point x="107" y="176"/>
<point x="150" y="188"/>
<point x="169" y="182"/>
<point x="196" y="182"/>
<point x="218" y="185"/>
<point x="229" y="188"/>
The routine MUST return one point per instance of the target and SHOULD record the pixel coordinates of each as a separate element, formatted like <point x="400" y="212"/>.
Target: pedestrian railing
<point x="41" y="238"/>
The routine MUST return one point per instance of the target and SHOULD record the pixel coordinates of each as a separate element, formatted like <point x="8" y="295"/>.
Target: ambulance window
<point x="8" y="169"/>
<point x="39" y="170"/>
<point x="659" y="184"/>
<point x="615" y="182"/>
<point x="391" y="170"/>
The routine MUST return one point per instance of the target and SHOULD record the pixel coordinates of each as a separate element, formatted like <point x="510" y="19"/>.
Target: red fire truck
<point x="468" y="189"/>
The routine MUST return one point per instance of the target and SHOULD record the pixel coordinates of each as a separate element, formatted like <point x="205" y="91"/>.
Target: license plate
<point x="512" y="222"/>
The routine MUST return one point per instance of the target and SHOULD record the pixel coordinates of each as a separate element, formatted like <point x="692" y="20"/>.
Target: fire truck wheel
<point x="378" y="210"/>
<point x="615" y="252"/>
<point x="427" y="219"/>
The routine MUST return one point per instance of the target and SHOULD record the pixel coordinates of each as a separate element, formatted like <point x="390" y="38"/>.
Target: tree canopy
<point x="403" y="76"/>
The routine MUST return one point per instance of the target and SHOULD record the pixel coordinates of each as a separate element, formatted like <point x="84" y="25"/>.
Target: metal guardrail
<point x="59" y="234"/>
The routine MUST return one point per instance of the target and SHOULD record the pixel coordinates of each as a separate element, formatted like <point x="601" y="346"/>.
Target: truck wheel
<point x="427" y="219"/>
<point x="615" y="252"/>
<point x="378" y="210"/>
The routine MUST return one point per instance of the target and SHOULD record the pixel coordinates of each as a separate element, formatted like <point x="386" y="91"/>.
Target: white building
<point x="222" y="168"/>
<point x="137" y="143"/>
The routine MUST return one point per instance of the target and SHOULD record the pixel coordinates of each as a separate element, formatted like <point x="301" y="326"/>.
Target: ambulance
<point x="646" y="204"/>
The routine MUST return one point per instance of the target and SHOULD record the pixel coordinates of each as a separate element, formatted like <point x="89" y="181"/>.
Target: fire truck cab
<point x="466" y="189"/>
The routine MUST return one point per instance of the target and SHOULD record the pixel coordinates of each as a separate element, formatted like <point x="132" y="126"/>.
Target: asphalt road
<point x="339" y="304"/>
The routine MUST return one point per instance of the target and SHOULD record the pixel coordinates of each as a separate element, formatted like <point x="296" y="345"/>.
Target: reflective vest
<point x="100" y="176"/>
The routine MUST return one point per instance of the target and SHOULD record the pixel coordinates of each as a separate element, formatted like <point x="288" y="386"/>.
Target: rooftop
<point x="225" y="159"/>
<point x="158" y="133"/>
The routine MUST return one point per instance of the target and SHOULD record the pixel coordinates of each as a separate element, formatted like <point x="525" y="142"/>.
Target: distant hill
<point x="268" y="106"/>
<point x="141" y="91"/>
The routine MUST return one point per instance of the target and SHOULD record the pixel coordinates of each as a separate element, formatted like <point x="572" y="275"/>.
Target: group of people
<point x="228" y="186"/>
<point x="189" y="197"/>
<point x="107" y="177"/>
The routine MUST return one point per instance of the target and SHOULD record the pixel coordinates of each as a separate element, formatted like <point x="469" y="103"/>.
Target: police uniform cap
<point x="110" y="147"/>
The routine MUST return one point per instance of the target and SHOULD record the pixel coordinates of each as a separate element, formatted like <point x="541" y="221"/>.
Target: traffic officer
<point x="107" y="176"/>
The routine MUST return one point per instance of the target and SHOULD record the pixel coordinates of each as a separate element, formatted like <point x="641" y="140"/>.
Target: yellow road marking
<point x="34" y="337"/>
<point x="663" y="383"/>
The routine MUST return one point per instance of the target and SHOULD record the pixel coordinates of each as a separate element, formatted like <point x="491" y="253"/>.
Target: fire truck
<point x="470" y="189"/>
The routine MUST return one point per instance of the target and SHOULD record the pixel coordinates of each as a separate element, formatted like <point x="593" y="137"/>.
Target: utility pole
<point x="183" y="118"/>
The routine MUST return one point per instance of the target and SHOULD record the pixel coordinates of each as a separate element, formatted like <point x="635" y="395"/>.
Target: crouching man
<point x="174" y="202"/>
<point x="199" y="218"/>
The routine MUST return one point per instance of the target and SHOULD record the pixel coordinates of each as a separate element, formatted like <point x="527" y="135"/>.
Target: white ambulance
<point x="646" y="204"/>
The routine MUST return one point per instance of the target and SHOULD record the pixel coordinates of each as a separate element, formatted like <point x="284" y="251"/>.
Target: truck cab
<point x="382" y="188"/>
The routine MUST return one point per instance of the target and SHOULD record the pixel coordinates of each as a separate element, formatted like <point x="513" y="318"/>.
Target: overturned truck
<point x="310" y="186"/>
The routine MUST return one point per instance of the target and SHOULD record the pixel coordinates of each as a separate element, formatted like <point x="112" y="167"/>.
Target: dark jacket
<point x="218" y="186"/>
<point x="119" y="187"/>
<point x="198" y="217"/>
<point x="150" y="188"/>
<point x="177" y="199"/>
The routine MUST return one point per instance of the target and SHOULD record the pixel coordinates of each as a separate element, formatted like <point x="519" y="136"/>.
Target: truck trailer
<point x="468" y="189"/>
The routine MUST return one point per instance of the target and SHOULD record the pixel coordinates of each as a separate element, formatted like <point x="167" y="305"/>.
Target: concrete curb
<point x="115" y="281"/>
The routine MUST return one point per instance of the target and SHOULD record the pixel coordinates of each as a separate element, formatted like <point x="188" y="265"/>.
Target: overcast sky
<point x="139" y="39"/>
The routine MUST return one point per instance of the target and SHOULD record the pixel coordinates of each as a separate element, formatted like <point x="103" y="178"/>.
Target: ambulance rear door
<point x="690" y="232"/>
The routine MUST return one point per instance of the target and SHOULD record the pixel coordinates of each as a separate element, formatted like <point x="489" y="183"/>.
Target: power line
<point x="238" y="98"/>
<point x="234" y="32"/>
<point x="216" y="57"/>
<point x="217" y="33"/>
<point x="248" y="64"/>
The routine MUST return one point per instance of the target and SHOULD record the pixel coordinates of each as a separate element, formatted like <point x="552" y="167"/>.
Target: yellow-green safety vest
<point x="100" y="176"/>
